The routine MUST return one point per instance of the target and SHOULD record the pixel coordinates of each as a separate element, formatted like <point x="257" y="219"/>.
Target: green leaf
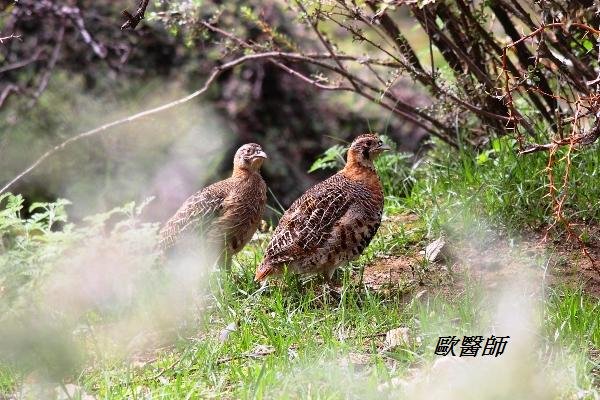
<point x="37" y="205"/>
<point x="332" y="158"/>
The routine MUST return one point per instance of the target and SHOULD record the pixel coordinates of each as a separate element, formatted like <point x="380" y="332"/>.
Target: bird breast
<point x="243" y="210"/>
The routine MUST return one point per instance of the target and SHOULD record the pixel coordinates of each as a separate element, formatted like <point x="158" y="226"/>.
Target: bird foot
<point x="334" y="290"/>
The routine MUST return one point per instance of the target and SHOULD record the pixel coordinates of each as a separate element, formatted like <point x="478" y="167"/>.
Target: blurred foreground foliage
<point x="57" y="278"/>
<point x="35" y="246"/>
<point x="73" y="293"/>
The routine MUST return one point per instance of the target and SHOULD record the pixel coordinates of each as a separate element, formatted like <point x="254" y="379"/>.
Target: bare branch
<point x="327" y="45"/>
<point x="585" y="139"/>
<point x="10" y="88"/>
<point x="50" y="67"/>
<point x="9" y="37"/>
<point x="103" y="128"/>
<point x="21" y="64"/>
<point x="214" y="74"/>
<point x="313" y="82"/>
<point x="399" y="107"/>
<point x="74" y="14"/>
<point x="134" y="20"/>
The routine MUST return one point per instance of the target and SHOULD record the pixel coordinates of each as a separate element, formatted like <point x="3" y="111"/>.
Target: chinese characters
<point x="470" y="346"/>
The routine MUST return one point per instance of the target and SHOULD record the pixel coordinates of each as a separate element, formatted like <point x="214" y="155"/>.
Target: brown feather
<point x="227" y="213"/>
<point x="332" y="222"/>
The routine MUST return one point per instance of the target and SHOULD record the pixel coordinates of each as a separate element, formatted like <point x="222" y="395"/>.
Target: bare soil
<point x="489" y="261"/>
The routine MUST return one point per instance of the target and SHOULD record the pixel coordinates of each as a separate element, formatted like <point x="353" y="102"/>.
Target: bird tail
<point x="263" y="271"/>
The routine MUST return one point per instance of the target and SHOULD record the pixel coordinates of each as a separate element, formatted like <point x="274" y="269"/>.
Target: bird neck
<point x="243" y="171"/>
<point x="361" y="169"/>
<point x="356" y="159"/>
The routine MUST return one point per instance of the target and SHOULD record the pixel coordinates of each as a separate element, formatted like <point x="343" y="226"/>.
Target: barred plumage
<point x="332" y="222"/>
<point x="227" y="213"/>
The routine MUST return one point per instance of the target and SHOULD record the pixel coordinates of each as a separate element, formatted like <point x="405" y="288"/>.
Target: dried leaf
<point x="397" y="337"/>
<point x="434" y="248"/>
<point x="224" y="335"/>
<point x="261" y="350"/>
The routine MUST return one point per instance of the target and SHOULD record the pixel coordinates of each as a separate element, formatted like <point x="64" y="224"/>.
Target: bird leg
<point x="227" y="262"/>
<point x="224" y="260"/>
<point x="331" y="285"/>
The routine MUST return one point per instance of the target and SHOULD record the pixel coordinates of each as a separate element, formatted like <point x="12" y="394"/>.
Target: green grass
<point x="294" y="339"/>
<point x="307" y="339"/>
<point x="502" y="188"/>
<point x="574" y="315"/>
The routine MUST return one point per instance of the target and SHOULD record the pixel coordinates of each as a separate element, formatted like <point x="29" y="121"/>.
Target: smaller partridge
<point x="333" y="221"/>
<point x="227" y="213"/>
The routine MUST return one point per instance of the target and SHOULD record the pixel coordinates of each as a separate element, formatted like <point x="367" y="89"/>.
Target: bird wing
<point x="201" y="207"/>
<point x="309" y="221"/>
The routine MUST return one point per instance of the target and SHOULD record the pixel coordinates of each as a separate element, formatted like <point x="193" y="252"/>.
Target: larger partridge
<point x="225" y="213"/>
<point x="333" y="221"/>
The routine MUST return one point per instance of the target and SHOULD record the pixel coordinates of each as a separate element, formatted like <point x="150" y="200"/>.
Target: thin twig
<point x="134" y="20"/>
<point x="328" y="46"/>
<point x="585" y="139"/>
<point x="9" y="37"/>
<point x="309" y="80"/>
<point x="8" y="89"/>
<point x="213" y="75"/>
<point x="23" y="63"/>
<point x="50" y="67"/>
<point x="256" y="354"/>
<point x="400" y="108"/>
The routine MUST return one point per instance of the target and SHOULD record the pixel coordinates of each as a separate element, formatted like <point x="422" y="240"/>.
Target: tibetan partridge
<point x="226" y="213"/>
<point x="333" y="221"/>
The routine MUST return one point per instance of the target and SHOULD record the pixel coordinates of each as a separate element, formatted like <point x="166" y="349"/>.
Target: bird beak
<point x="261" y="154"/>
<point x="383" y="147"/>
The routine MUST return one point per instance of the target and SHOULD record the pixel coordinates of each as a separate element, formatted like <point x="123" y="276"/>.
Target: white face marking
<point x="363" y="148"/>
<point x="249" y="155"/>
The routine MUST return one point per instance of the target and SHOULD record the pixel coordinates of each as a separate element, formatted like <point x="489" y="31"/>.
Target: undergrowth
<point x="92" y="306"/>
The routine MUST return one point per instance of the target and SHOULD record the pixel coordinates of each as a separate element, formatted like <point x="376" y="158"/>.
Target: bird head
<point x="250" y="156"/>
<point x="366" y="148"/>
